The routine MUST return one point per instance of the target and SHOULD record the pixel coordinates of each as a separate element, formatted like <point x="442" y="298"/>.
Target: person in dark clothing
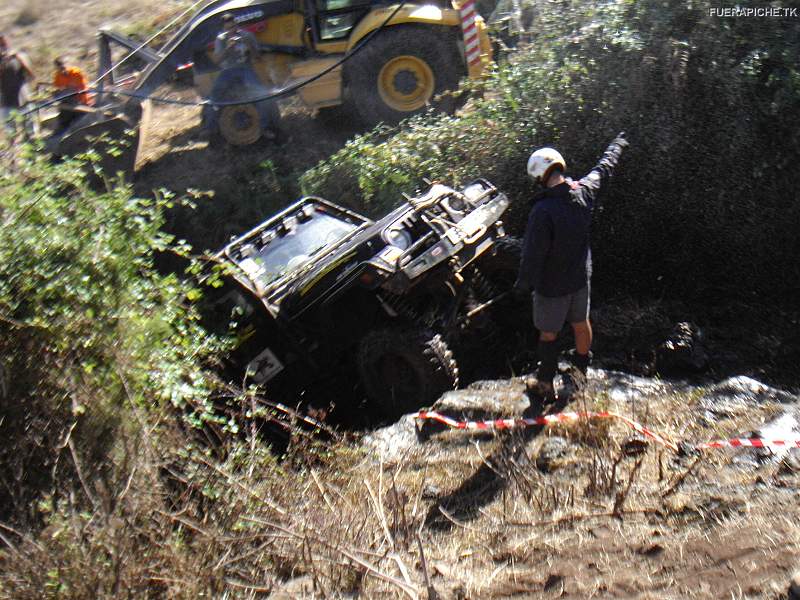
<point x="556" y="260"/>
<point x="235" y="49"/>
<point x="15" y="72"/>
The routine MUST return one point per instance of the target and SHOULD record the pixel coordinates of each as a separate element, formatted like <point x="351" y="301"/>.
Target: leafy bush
<point x="705" y="101"/>
<point x="88" y="329"/>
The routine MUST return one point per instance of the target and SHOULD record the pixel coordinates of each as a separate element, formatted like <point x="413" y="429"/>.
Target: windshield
<point x="292" y="249"/>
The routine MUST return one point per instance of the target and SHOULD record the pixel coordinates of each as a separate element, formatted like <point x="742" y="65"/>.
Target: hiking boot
<point x="543" y="391"/>
<point x="576" y="376"/>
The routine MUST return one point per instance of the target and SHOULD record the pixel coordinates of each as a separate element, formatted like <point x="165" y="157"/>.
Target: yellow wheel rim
<point x="240" y="125"/>
<point x="406" y="83"/>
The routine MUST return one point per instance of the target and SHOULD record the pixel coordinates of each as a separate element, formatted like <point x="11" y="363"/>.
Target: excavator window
<point x="337" y="18"/>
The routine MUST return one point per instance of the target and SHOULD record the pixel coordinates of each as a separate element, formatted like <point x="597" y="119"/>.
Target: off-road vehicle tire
<point x="402" y="370"/>
<point x="401" y="71"/>
<point x="504" y="260"/>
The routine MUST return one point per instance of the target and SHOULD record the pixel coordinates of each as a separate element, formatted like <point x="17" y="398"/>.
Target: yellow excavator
<point x="384" y="61"/>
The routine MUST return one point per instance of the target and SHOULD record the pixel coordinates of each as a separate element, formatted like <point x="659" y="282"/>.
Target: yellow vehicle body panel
<point x="278" y="69"/>
<point x="422" y="15"/>
<point x="325" y="91"/>
<point x="284" y="30"/>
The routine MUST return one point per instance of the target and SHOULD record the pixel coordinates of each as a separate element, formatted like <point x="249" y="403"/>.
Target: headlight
<point x="397" y="237"/>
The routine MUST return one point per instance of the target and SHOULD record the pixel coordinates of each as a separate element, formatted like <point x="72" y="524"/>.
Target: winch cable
<point x="208" y="102"/>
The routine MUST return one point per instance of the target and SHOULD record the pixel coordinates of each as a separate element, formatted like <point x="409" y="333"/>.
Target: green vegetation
<point x="89" y="331"/>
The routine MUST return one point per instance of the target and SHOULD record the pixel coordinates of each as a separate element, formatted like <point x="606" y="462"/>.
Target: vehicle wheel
<point x="240" y="125"/>
<point x="401" y="70"/>
<point x="245" y="124"/>
<point x="403" y="370"/>
<point x="504" y="260"/>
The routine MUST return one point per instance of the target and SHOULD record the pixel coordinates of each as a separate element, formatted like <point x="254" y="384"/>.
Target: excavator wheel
<point x="240" y="125"/>
<point x="401" y="70"/>
<point x="245" y="124"/>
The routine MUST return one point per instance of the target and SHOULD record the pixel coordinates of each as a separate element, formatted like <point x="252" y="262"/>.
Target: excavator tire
<point x="240" y="125"/>
<point x="245" y="124"/>
<point x="401" y="71"/>
<point x="402" y="370"/>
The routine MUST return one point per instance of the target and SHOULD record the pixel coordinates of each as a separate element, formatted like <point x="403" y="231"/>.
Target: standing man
<point x="235" y="49"/>
<point x="15" y="72"/>
<point x="556" y="260"/>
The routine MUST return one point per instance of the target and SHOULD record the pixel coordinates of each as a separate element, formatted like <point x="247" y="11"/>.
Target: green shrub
<point x="89" y="330"/>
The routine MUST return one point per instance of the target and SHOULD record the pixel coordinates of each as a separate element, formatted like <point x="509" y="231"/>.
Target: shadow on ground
<point x="477" y="491"/>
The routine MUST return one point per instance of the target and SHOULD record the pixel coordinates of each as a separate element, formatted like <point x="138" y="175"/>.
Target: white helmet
<point x="542" y="162"/>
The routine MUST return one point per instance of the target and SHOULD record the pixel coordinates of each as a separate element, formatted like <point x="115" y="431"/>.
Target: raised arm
<point x="605" y="167"/>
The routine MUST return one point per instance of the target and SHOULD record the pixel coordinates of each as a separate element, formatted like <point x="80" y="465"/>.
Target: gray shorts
<point x="550" y="314"/>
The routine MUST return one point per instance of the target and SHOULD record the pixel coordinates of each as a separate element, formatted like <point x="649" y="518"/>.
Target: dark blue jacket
<point x="556" y="259"/>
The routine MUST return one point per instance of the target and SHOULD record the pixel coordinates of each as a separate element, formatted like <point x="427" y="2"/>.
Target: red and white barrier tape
<point x="472" y="44"/>
<point x="750" y="443"/>
<point x="499" y="424"/>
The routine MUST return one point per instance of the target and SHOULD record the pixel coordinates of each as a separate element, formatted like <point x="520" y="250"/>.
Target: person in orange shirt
<point x="67" y="81"/>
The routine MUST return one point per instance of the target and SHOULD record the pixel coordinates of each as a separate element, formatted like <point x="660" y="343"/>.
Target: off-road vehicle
<point x="319" y="291"/>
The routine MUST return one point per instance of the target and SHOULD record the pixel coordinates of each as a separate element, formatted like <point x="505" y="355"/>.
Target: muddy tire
<point x="400" y="72"/>
<point x="402" y="370"/>
<point x="245" y="124"/>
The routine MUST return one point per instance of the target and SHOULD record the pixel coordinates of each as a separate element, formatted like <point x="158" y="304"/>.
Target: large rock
<point x="683" y="351"/>
<point x="735" y="394"/>
<point x="485" y="400"/>
<point x="394" y="440"/>
<point x="481" y="400"/>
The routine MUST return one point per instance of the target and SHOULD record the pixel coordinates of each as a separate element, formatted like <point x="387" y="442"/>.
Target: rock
<point x="735" y="394"/>
<point x="299" y="587"/>
<point x="430" y="492"/>
<point x="484" y="400"/>
<point x="623" y="387"/>
<point x="553" y="449"/>
<point x="794" y="587"/>
<point x="394" y="440"/>
<point x="683" y="351"/>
